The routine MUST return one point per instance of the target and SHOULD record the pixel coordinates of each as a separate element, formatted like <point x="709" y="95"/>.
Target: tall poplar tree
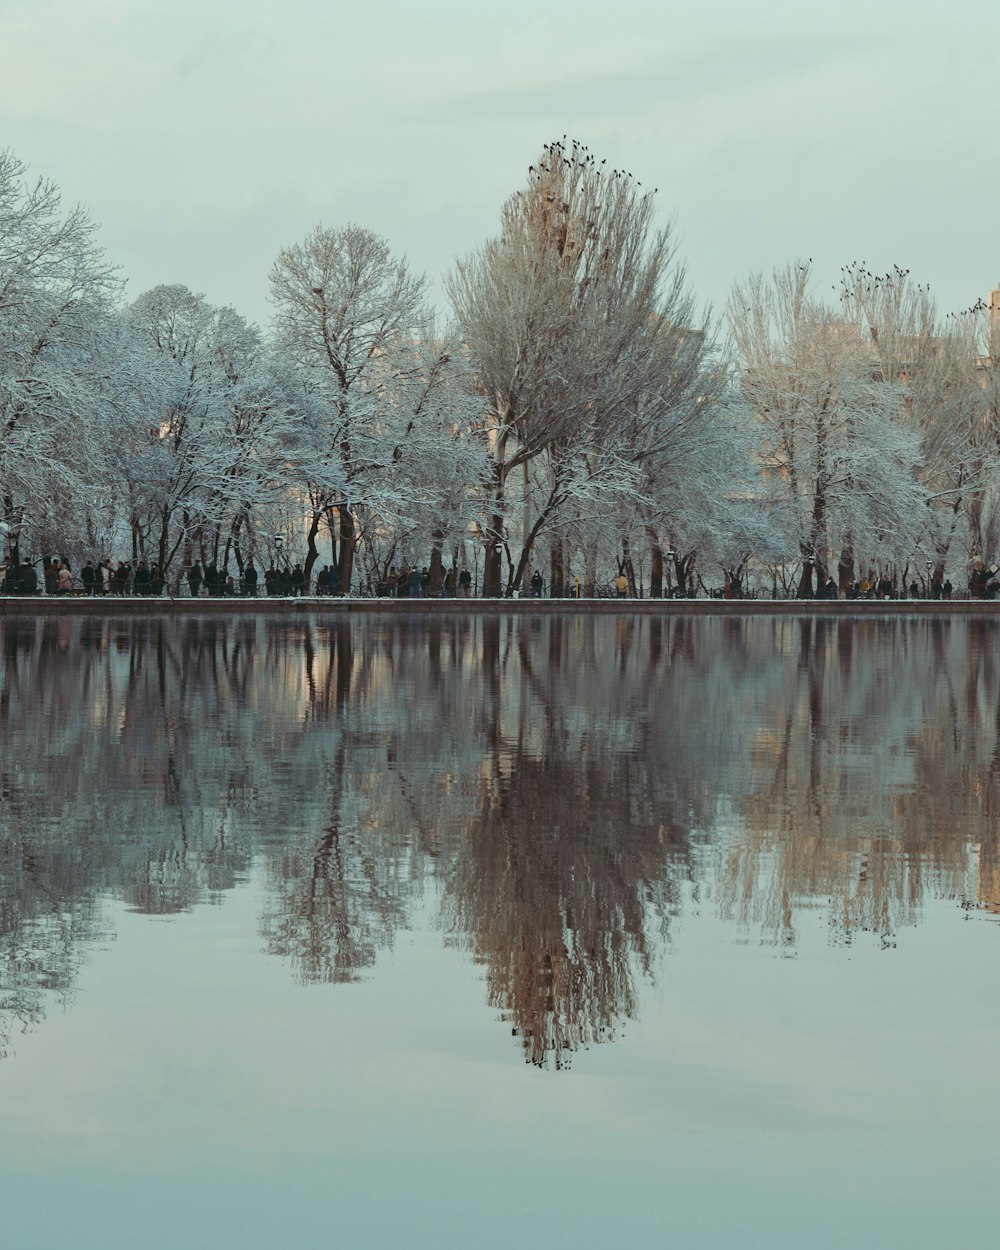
<point x="582" y="332"/>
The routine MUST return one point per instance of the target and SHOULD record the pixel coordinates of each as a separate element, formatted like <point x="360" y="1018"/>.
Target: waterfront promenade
<point x="79" y="605"/>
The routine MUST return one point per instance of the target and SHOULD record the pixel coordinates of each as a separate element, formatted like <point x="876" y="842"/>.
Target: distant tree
<point x="835" y="446"/>
<point x="943" y="366"/>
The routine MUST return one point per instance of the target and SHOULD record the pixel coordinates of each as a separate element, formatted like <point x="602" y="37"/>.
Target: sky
<point x="206" y="135"/>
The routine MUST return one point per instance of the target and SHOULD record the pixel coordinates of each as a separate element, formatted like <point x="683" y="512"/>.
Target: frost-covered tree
<point x="56" y="293"/>
<point x="963" y="434"/>
<point x="391" y="401"/>
<point x="218" y="419"/>
<point x="582" y="332"/>
<point x="706" y="501"/>
<point x="943" y="367"/>
<point x="835" y="447"/>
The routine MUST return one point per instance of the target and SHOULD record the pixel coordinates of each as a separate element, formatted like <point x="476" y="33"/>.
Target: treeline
<point x="577" y="416"/>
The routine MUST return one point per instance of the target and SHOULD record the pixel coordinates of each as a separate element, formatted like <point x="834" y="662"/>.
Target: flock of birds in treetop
<point x="580" y="157"/>
<point x="858" y="270"/>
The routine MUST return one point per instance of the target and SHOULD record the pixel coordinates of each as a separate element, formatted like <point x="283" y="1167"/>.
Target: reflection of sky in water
<point x="783" y="1076"/>
<point x="758" y="1099"/>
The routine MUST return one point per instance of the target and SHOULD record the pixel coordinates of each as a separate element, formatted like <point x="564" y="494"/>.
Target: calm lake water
<point x="472" y="932"/>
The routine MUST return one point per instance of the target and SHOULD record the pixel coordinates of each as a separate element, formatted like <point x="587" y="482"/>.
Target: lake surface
<point x="480" y="931"/>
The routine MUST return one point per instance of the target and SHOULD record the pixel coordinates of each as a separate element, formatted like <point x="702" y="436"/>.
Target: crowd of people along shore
<point x="125" y="578"/>
<point x="139" y="578"/>
<point x="143" y="579"/>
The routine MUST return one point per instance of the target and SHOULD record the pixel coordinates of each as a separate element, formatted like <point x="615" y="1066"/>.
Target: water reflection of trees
<point x="875" y="777"/>
<point x="563" y="783"/>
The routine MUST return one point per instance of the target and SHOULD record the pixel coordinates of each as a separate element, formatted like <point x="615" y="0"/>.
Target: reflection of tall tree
<point x="556" y="902"/>
<point x="567" y="868"/>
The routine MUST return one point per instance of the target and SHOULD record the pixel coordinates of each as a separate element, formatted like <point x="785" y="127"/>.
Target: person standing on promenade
<point x="194" y="579"/>
<point x="250" y="580"/>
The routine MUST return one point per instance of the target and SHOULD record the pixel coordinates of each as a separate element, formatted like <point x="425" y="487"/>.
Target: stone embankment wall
<point x="44" y="605"/>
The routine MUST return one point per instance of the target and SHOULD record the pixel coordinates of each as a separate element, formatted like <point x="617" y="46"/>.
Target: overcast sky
<point x="205" y="135"/>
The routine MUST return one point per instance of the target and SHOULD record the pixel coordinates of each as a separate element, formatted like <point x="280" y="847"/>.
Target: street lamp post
<point x="930" y="565"/>
<point x="671" y="556"/>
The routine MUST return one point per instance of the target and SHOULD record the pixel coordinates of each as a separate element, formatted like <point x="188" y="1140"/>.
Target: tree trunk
<point x="655" y="565"/>
<point x="684" y="569"/>
<point x="589" y="570"/>
<point x="348" y="542"/>
<point x="492" y="559"/>
<point x="975" y="523"/>
<point x="163" y="543"/>
<point x="12" y="517"/>
<point x="805" y="590"/>
<point x="628" y="568"/>
<point x="845" y="566"/>
<point x="436" y="569"/>
<point x="312" y="551"/>
<point x="557" y="568"/>
<point x="493" y="538"/>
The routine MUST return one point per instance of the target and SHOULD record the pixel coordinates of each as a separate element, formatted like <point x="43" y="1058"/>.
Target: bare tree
<point x="944" y="367"/>
<point x="835" y="448"/>
<point x="579" y="325"/>
<point x="963" y="434"/>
